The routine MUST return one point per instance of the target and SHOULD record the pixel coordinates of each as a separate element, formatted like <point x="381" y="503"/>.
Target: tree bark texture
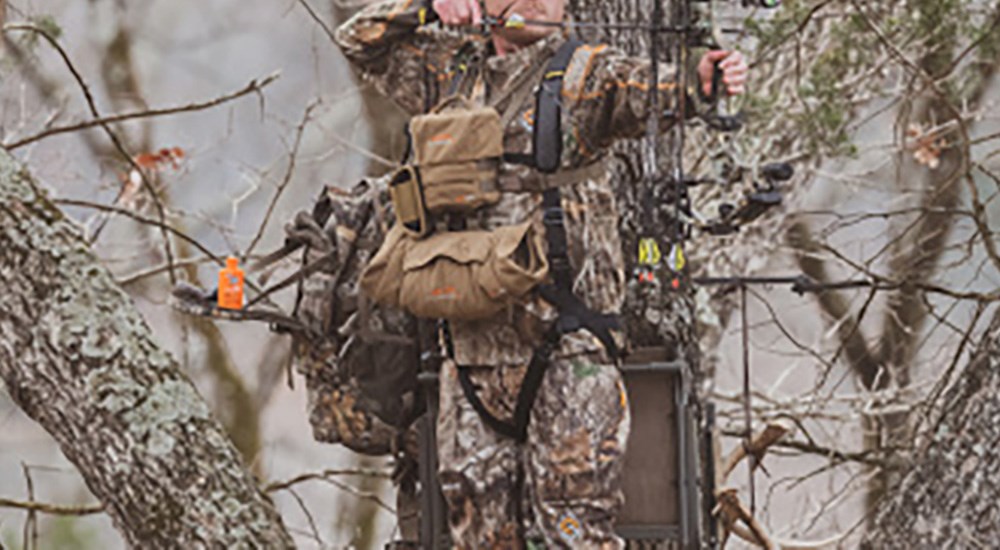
<point x="78" y="358"/>
<point x="948" y="498"/>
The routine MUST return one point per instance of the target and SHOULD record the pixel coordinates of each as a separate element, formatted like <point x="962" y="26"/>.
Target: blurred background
<point x="291" y="118"/>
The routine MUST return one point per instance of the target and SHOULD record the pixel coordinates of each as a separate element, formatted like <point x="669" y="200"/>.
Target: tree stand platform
<point x="664" y="482"/>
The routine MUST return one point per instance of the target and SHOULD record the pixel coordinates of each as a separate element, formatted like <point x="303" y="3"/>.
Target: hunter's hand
<point x="734" y="71"/>
<point x="458" y="12"/>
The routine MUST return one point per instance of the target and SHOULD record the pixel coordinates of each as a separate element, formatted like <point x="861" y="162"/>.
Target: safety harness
<point x="573" y="314"/>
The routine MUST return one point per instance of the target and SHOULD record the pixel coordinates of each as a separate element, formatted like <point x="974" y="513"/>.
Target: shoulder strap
<point x="547" y="137"/>
<point x="514" y="96"/>
<point x="573" y="313"/>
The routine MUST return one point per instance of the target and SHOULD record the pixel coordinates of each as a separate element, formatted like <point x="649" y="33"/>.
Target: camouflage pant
<point x="571" y="463"/>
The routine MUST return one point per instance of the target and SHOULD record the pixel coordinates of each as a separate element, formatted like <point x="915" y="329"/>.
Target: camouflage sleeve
<point x="397" y="51"/>
<point x="610" y="94"/>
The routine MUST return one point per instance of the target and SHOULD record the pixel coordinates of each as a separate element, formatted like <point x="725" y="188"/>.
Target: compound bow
<point x="694" y="25"/>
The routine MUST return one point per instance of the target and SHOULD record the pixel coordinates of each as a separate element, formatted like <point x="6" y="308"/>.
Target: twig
<point x="325" y="474"/>
<point x="945" y="379"/>
<point x="863" y="457"/>
<point x="141" y="219"/>
<point x="364" y="495"/>
<point x="52" y="509"/>
<point x="90" y="509"/>
<point x="314" y="532"/>
<point x="115" y="140"/>
<point x="292" y="157"/>
<point x="255" y="85"/>
<point x="31" y="522"/>
<point x="133" y="278"/>
<point x="319" y="20"/>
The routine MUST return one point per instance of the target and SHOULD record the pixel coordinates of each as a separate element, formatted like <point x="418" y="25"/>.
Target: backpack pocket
<point x="456" y="159"/>
<point x="461" y="275"/>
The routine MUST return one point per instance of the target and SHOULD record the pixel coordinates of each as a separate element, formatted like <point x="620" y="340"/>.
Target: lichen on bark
<point x="79" y="359"/>
<point x="948" y="497"/>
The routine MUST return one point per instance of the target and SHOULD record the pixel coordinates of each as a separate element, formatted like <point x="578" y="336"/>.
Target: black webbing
<point x="469" y="389"/>
<point x="573" y="313"/>
<point x="517" y="428"/>
<point x="547" y="135"/>
<point x="524" y="159"/>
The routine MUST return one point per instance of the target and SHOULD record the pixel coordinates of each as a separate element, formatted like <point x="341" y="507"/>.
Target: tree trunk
<point x="948" y="497"/>
<point x="78" y="358"/>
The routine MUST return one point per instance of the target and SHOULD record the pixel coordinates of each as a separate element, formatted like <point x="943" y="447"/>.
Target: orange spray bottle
<point x="231" y="285"/>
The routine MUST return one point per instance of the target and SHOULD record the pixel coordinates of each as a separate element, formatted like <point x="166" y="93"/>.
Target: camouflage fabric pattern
<point x="571" y="464"/>
<point x="572" y="460"/>
<point x="605" y="97"/>
<point x="340" y="406"/>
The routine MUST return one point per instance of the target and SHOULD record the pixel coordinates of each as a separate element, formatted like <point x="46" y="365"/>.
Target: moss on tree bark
<point x="78" y="358"/>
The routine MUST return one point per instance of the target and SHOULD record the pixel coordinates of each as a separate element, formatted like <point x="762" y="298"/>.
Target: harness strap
<point x="513" y="183"/>
<point x="547" y="142"/>
<point x="547" y="137"/>
<point x="573" y="313"/>
<point x="517" y="428"/>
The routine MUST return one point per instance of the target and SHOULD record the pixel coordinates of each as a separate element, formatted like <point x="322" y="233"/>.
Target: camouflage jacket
<point x="605" y="97"/>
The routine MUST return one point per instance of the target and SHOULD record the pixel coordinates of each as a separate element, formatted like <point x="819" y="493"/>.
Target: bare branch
<point x="144" y="220"/>
<point x="52" y="509"/>
<point x="115" y="140"/>
<point x="255" y="85"/>
<point x="90" y="509"/>
<point x="319" y="20"/>
<point x="289" y="171"/>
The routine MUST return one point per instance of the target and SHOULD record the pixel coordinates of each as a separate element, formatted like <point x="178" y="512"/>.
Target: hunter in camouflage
<point x="571" y="463"/>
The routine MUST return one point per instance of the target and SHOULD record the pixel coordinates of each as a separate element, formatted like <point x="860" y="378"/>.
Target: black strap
<point x="546" y="138"/>
<point x="524" y="159"/>
<point x="547" y="135"/>
<point x="517" y="428"/>
<point x="573" y="313"/>
<point x="506" y="429"/>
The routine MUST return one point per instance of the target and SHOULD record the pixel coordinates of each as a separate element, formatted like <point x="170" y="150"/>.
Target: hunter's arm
<point x="611" y="92"/>
<point x="396" y="51"/>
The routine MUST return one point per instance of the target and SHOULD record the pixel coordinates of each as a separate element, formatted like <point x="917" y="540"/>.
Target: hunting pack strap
<point x="573" y="314"/>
